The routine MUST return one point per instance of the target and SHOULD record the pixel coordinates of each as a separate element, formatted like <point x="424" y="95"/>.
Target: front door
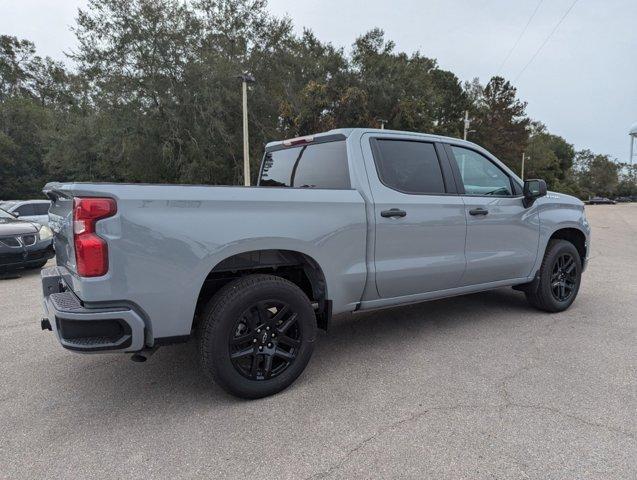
<point x="420" y="222"/>
<point x="502" y="235"/>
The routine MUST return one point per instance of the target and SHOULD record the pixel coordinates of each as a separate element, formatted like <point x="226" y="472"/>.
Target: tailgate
<point x="61" y="222"/>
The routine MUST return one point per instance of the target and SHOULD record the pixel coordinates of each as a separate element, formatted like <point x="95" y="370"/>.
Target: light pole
<point x="245" y="79"/>
<point x="467" y="123"/>
<point x="523" y="158"/>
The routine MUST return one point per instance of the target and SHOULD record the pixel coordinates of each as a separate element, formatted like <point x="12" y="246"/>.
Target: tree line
<point x="151" y="94"/>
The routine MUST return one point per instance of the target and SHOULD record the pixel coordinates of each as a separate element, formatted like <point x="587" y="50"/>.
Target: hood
<point x="15" y="226"/>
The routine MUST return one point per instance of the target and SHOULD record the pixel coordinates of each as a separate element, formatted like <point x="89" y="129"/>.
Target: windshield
<point x="4" y="214"/>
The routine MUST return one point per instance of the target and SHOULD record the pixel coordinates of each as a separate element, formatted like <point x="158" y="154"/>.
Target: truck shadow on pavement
<point x="172" y="377"/>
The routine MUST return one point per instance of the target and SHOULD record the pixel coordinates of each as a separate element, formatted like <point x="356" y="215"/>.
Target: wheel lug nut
<point x="261" y="347"/>
<point x="267" y="328"/>
<point x="254" y="341"/>
<point x="273" y="335"/>
<point x="269" y="345"/>
<point x="258" y="330"/>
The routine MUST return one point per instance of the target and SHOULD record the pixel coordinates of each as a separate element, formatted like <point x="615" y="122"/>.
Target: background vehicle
<point x="601" y="201"/>
<point x="623" y="200"/>
<point x="31" y="210"/>
<point x="354" y="220"/>
<point x="23" y="244"/>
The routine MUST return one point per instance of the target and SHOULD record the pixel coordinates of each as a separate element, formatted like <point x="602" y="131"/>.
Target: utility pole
<point x="245" y="79"/>
<point x="523" y="158"/>
<point x="467" y="122"/>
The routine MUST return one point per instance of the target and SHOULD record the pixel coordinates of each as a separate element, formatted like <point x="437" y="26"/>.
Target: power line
<point x="537" y="7"/>
<point x="546" y="40"/>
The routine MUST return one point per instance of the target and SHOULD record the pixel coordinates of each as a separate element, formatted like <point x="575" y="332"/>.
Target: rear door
<point x="502" y="235"/>
<point x="420" y="221"/>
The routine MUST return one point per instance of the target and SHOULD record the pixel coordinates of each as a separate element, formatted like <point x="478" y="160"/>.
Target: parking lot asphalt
<point x="475" y="387"/>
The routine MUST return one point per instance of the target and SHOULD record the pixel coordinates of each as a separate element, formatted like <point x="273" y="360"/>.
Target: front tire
<point x="559" y="278"/>
<point x="257" y="335"/>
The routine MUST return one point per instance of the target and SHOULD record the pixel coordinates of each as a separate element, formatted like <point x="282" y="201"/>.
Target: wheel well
<point x="575" y="236"/>
<point x="298" y="268"/>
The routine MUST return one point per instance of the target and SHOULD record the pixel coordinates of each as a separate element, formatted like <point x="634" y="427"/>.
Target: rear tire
<point x="257" y="335"/>
<point x="559" y="278"/>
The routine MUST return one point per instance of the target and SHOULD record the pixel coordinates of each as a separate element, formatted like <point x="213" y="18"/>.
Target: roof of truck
<point x="346" y="132"/>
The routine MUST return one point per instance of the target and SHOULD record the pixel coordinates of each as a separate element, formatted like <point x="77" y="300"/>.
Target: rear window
<point x="318" y="165"/>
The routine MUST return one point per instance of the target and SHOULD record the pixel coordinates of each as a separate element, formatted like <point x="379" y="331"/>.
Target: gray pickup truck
<point x="343" y="221"/>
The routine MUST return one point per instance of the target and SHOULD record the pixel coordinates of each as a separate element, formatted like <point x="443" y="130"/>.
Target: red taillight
<point x="91" y="251"/>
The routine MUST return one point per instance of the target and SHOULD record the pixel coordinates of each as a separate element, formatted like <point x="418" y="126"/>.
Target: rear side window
<point x="41" y="208"/>
<point x="319" y="165"/>
<point x="409" y="166"/>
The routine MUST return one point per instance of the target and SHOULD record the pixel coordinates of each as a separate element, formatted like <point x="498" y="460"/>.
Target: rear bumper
<point x="81" y="329"/>
<point x="24" y="257"/>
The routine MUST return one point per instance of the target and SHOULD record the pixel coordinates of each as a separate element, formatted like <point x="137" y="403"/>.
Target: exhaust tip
<point x="138" y="358"/>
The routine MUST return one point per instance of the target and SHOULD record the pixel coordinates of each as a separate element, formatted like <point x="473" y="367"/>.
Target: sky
<point x="582" y="84"/>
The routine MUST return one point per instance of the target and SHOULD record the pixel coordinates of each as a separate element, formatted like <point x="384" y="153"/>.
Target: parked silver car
<point x="30" y="210"/>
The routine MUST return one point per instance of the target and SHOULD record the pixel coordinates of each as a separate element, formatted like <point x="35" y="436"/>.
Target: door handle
<point x="478" y="211"/>
<point x="393" y="212"/>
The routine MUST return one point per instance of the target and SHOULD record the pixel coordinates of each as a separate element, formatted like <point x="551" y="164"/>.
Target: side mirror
<point x="15" y="214"/>
<point x="533" y="189"/>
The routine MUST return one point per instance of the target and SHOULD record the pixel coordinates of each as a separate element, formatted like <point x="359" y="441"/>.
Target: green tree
<point x="410" y="92"/>
<point x="597" y="174"/>
<point x="627" y="185"/>
<point x="551" y="158"/>
<point x="33" y="90"/>
<point x="499" y="121"/>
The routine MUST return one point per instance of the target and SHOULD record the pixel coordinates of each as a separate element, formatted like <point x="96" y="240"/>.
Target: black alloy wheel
<point x="563" y="277"/>
<point x="265" y="340"/>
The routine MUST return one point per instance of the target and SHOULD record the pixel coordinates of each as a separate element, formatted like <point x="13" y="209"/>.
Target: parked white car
<point x="31" y="210"/>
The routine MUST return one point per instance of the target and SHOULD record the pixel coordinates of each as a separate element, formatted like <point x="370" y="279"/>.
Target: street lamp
<point x="245" y="79"/>
<point x="524" y="157"/>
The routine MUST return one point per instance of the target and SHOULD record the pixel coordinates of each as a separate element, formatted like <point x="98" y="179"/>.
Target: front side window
<point x="409" y="166"/>
<point x="480" y="176"/>
<point x="25" y="210"/>
<point x="320" y="165"/>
